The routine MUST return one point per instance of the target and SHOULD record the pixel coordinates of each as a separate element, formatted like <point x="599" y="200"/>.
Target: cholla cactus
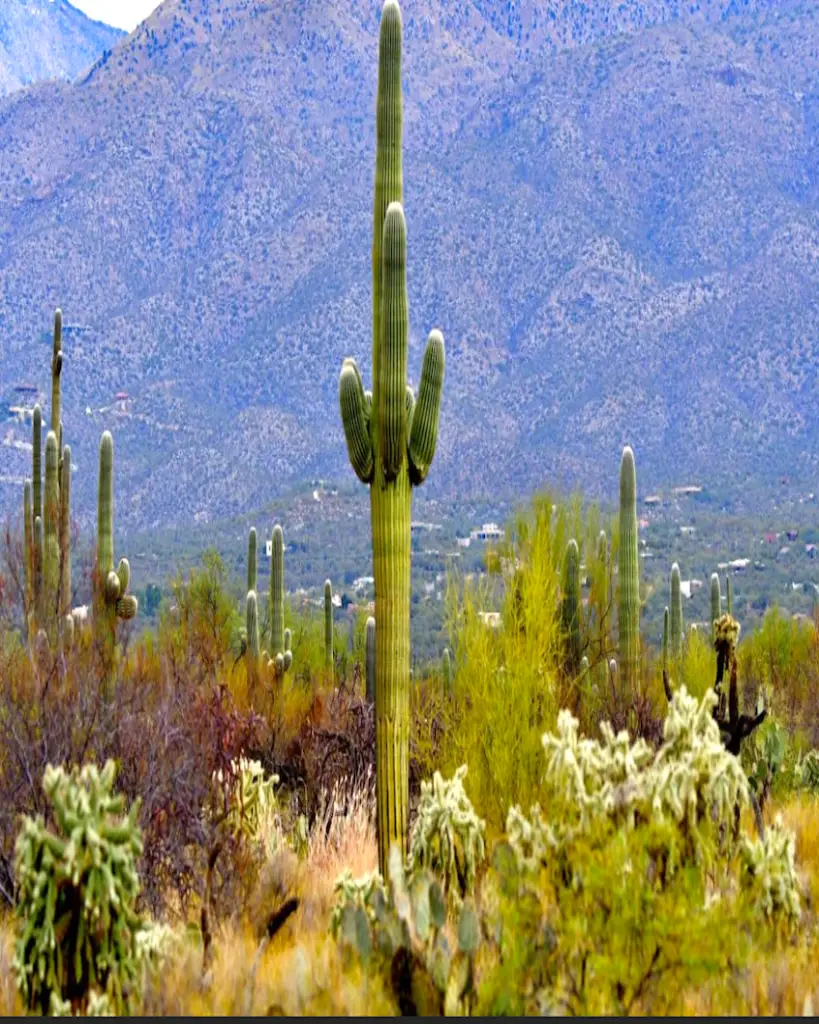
<point x="355" y="892"/>
<point x="691" y="781"/>
<point x="769" y="878"/>
<point x="448" y="836"/>
<point x="807" y="772"/>
<point x="248" y="801"/>
<point x="76" y="895"/>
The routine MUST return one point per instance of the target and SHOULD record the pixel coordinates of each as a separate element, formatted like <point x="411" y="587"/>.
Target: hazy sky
<point x="125" y="14"/>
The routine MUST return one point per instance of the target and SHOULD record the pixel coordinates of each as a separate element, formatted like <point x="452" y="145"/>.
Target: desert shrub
<point x="806" y="772"/>
<point x="626" y="882"/>
<point x="77" y="889"/>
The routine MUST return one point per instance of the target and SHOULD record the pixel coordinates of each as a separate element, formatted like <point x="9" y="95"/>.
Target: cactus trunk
<point x="28" y="535"/>
<point x="729" y="596"/>
<point x="252" y="560"/>
<point x="51" y="538"/>
<point x="252" y="623"/>
<point x="629" y="579"/>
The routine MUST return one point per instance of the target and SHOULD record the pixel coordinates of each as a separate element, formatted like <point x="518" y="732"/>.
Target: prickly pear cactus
<point x="448" y="836"/>
<point x="401" y="928"/>
<point x="77" y="887"/>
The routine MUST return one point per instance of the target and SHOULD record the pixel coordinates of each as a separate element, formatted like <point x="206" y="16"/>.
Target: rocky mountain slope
<point x="45" y="39"/>
<point x="613" y="219"/>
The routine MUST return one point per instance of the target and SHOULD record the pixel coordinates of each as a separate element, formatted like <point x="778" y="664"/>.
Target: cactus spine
<point x="391" y="442"/>
<point x="716" y="602"/>
<point x="676" y="614"/>
<point x="370" y="661"/>
<point x="328" y="625"/>
<point x="628" y="622"/>
<point x="570" y="607"/>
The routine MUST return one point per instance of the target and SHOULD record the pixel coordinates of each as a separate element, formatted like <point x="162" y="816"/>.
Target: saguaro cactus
<point x="370" y="661"/>
<point x="391" y="441"/>
<point x="56" y="373"/>
<point x="277" y="592"/>
<point x="51" y="539"/>
<point x="676" y="614"/>
<point x="570" y="607"/>
<point x="716" y="602"/>
<point x="111" y="598"/>
<point x="252" y="559"/>
<point x="729" y="596"/>
<point x="328" y="625"/>
<point x="447" y="672"/>
<point x="252" y="652"/>
<point x="37" y="460"/>
<point x="628" y="622"/>
<point x="65" y="535"/>
<point x="28" y="535"/>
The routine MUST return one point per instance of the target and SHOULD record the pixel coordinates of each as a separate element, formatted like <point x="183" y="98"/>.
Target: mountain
<point x="44" y="39"/>
<point x="612" y="216"/>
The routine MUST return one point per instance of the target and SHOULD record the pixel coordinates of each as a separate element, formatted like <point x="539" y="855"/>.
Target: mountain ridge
<point x="607" y="234"/>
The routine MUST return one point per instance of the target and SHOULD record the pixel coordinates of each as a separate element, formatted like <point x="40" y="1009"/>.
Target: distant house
<point x="488" y="532"/>
<point x="653" y="499"/>
<point x="793" y="534"/>
<point x="688" y="530"/>
<point x="491" y="619"/>
<point x="687" y="489"/>
<point x="810" y="550"/>
<point x="771" y="538"/>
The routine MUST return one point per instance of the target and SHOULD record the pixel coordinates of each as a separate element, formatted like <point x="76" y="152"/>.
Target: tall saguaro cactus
<point x="391" y="441"/>
<point x="111" y="598"/>
<point x="328" y="625"/>
<point x="65" y="535"/>
<point x="570" y="607"/>
<point x="51" y="538"/>
<point x="628" y="622"/>
<point x="676" y="614"/>
<point x="252" y="652"/>
<point x="729" y="596"/>
<point x="277" y="591"/>
<point x="28" y="536"/>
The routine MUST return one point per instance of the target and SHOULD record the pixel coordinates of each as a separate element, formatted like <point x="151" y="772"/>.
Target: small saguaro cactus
<point x="111" y="598"/>
<point x="370" y="661"/>
<point x="328" y="625"/>
<point x="252" y="650"/>
<point x="391" y="441"/>
<point x="666" y="682"/>
<point x="676" y="614"/>
<point x="716" y="602"/>
<point x="28" y="535"/>
<point x="37" y="460"/>
<point x="252" y="559"/>
<point x="447" y="672"/>
<point x="729" y="595"/>
<point x="281" y="658"/>
<point x="56" y="373"/>
<point x="64" y="609"/>
<point x="570" y="607"/>
<point x="628" y="622"/>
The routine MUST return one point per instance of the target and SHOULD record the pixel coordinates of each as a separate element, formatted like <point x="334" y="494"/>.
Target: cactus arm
<point x="628" y="622"/>
<point x="105" y="507"/>
<point x="355" y="417"/>
<point x="392" y="380"/>
<point x="424" y="425"/>
<point x="410" y="397"/>
<point x="36" y="461"/>
<point x="65" y="532"/>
